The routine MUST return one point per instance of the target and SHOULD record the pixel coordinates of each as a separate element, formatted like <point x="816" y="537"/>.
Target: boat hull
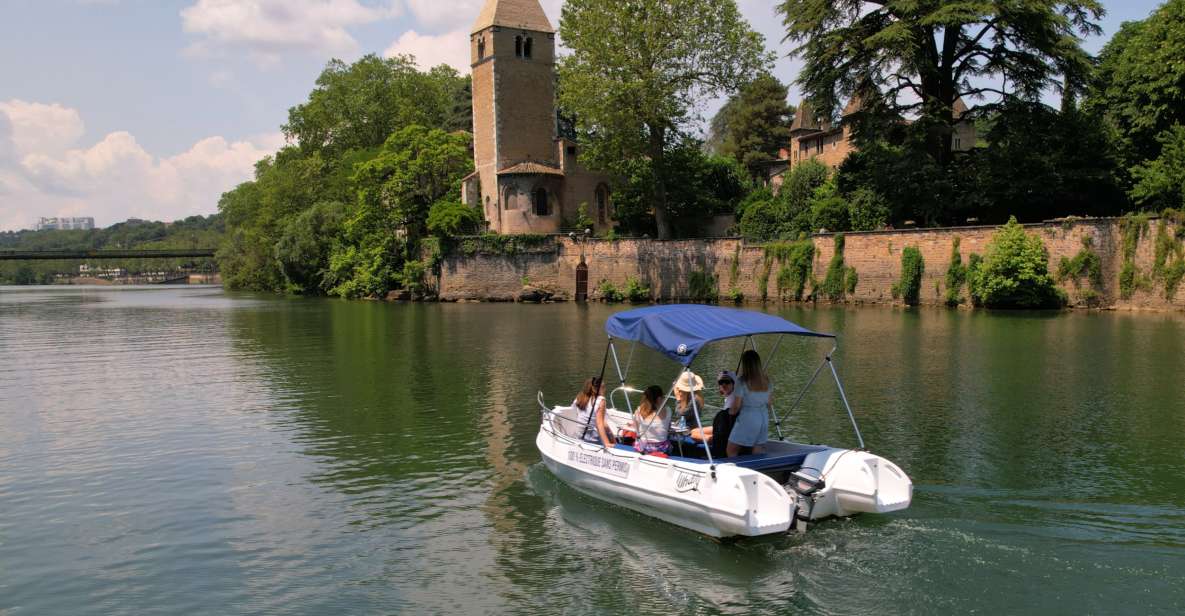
<point x="727" y="500"/>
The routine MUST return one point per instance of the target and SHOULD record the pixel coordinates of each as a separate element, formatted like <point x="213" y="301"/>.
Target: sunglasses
<point x="724" y="383"/>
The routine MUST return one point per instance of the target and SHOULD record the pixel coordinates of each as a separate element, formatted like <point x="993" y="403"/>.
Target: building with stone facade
<point x="813" y="137"/>
<point x="527" y="176"/>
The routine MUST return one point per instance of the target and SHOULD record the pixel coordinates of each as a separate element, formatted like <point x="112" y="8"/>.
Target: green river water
<point x="187" y="451"/>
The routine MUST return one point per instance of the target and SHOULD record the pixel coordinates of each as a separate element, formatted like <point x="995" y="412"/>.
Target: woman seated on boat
<point x="651" y="421"/>
<point x="688" y="385"/>
<point x="751" y="405"/>
<point x="590" y="400"/>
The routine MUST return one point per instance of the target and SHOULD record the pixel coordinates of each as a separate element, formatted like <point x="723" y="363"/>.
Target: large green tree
<point x="755" y="124"/>
<point x="1139" y="94"/>
<point x="416" y="168"/>
<point x="357" y="106"/>
<point x="639" y="68"/>
<point x="917" y="57"/>
<point x="698" y="186"/>
<point x="277" y="240"/>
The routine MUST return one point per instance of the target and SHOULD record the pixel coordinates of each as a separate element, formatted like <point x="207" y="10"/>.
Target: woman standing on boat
<point x="590" y="400"/>
<point x="750" y="404"/>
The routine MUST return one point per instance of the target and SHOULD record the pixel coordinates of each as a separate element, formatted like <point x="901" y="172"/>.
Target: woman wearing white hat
<point x="690" y="384"/>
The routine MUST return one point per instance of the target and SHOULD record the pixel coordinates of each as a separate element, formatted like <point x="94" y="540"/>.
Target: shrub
<point x="796" y="260"/>
<point x="412" y="276"/>
<point x="956" y="276"/>
<point x="1132" y="226"/>
<point x="583" y="220"/>
<point x="974" y="264"/>
<point x="835" y="282"/>
<point x="829" y="210"/>
<point x="909" y="287"/>
<point x="609" y="292"/>
<point x="701" y="286"/>
<point x="851" y="280"/>
<point x="636" y="292"/>
<point x="735" y="295"/>
<point x="1015" y="272"/>
<point x="1086" y="262"/>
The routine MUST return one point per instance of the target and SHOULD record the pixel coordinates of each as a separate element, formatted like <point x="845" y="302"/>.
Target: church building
<point x="528" y="178"/>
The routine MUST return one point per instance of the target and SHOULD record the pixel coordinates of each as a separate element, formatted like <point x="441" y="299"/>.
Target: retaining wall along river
<point x="667" y="267"/>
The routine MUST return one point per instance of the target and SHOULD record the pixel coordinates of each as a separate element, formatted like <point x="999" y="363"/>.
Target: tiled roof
<point x="804" y="118"/>
<point x="531" y="168"/>
<point x="520" y="14"/>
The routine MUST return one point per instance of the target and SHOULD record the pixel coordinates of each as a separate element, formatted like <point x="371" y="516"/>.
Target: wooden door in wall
<point x="582" y="282"/>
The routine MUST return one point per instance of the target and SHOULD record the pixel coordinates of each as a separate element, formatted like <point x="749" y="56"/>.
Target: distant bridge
<point x="78" y="255"/>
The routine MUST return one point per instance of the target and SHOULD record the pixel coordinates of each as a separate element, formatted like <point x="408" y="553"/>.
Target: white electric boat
<point x="783" y="488"/>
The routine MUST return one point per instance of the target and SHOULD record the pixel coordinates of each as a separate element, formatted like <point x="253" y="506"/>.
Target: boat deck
<point x="778" y="455"/>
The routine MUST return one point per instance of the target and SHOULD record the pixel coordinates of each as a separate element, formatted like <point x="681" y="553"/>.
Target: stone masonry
<point x="666" y="266"/>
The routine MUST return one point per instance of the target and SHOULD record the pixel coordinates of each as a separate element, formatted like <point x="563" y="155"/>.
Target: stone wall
<point x="666" y="266"/>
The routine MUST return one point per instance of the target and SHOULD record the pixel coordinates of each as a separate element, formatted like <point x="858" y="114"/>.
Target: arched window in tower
<point x="539" y="199"/>
<point x="481" y="48"/>
<point x="602" y="197"/>
<point x="527" y="48"/>
<point x="518" y="46"/>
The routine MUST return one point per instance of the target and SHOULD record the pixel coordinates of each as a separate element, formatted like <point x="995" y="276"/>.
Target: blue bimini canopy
<point x="679" y="331"/>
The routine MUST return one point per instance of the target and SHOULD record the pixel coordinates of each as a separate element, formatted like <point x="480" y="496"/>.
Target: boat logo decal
<point x="681" y="349"/>
<point x="687" y="482"/>
<point x="603" y="463"/>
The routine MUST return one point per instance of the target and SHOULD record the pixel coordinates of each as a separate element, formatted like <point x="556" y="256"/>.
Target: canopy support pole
<point x="699" y="424"/>
<point x="769" y="358"/>
<point x="844" y="397"/>
<point x="802" y="393"/>
<point x="597" y="394"/>
<point x="621" y="375"/>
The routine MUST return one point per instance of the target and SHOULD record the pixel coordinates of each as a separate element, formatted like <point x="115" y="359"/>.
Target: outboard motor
<point x="805" y="484"/>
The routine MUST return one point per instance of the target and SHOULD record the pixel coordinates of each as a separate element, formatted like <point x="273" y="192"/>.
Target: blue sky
<point x="152" y="108"/>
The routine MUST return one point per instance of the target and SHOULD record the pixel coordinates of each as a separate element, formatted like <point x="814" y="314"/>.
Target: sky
<point x="151" y="109"/>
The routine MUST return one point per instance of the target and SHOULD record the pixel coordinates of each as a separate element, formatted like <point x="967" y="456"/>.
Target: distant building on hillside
<point x="527" y="178"/>
<point x="812" y="137"/>
<point x="65" y="224"/>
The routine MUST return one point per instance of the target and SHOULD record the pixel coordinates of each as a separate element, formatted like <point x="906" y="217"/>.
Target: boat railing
<point x="625" y="391"/>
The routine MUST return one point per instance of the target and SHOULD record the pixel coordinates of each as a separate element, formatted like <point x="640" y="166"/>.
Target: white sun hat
<point x="689" y="381"/>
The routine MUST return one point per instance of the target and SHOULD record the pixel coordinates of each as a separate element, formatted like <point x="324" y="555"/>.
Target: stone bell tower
<point x="528" y="178"/>
<point x="512" y="48"/>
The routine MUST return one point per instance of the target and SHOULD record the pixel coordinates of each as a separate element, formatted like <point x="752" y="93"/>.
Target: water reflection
<point x="240" y="453"/>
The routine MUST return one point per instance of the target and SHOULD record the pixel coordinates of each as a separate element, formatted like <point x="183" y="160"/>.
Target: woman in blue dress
<point x="751" y="405"/>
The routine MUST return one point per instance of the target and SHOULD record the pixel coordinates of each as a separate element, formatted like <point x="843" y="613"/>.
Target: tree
<point x="905" y="56"/>
<point x="416" y="168"/>
<point x="1160" y="183"/>
<point x="1040" y="163"/>
<point x="638" y="69"/>
<point x="697" y="186"/>
<point x="789" y="213"/>
<point x="450" y="218"/>
<point x="1137" y="90"/>
<point x="357" y="106"/>
<point x="305" y="246"/>
<point x="755" y="124"/>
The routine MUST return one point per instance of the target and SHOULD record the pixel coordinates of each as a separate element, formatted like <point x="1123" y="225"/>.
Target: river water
<point x="191" y="451"/>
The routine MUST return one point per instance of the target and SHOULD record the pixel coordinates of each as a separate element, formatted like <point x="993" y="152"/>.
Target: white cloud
<point x="451" y="48"/>
<point x="268" y="29"/>
<point x="438" y="15"/>
<point x="116" y="178"/>
<point x="36" y="127"/>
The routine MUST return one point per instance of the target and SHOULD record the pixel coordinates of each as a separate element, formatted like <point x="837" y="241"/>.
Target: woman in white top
<point x="652" y="420"/>
<point x="590" y="400"/>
